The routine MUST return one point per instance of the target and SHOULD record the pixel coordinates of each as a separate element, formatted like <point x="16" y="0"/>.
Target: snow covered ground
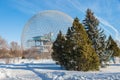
<point x="30" y="69"/>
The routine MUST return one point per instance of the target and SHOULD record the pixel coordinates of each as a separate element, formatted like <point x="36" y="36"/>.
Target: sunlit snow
<point x="30" y="69"/>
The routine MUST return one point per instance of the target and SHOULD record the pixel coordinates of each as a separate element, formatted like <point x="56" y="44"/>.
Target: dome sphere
<point x="45" y="22"/>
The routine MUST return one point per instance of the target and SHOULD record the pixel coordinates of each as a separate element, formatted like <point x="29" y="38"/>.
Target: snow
<point x="46" y="69"/>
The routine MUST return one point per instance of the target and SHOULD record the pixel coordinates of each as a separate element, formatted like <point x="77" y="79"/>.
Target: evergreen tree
<point x="79" y="51"/>
<point x="107" y="53"/>
<point x="114" y="47"/>
<point x="95" y="34"/>
<point x="58" y="48"/>
<point x="69" y="49"/>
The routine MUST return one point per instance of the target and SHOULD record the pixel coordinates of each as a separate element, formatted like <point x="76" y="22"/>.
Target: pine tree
<point x="114" y="47"/>
<point x="107" y="53"/>
<point x="74" y="51"/>
<point x="95" y="34"/>
<point x="79" y="49"/>
<point x="58" y="49"/>
<point x="68" y="49"/>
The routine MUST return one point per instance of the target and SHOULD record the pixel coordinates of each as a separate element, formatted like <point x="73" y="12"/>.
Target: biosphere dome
<point x="44" y="25"/>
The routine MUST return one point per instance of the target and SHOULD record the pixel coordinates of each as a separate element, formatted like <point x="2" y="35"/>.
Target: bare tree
<point x="15" y="49"/>
<point x="3" y="48"/>
<point x="30" y="53"/>
<point x="3" y="43"/>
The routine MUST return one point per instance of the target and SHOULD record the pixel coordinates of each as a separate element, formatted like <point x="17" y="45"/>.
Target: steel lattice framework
<point x="50" y="21"/>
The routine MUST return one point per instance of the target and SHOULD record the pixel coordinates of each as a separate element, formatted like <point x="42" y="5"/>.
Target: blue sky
<point x="15" y="13"/>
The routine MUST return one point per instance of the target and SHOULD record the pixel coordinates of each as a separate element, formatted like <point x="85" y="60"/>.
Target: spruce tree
<point x="74" y="51"/>
<point x="69" y="49"/>
<point x="80" y="52"/>
<point x="107" y="52"/>
<point x="58" y="49"/>
<point x="95" y="34"/>
<point x="114" y="47"/>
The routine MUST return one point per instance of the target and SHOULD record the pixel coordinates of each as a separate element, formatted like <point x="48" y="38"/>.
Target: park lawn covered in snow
<point x="30" y="69"/>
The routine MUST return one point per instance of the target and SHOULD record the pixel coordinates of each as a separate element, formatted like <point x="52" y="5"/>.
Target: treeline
<point x="14" y="50"/>
<point x="9" y="50"/>
<point x="84" y="47"/>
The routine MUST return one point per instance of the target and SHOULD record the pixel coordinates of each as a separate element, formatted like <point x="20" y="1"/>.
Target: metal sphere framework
<point x="47" y="23"/>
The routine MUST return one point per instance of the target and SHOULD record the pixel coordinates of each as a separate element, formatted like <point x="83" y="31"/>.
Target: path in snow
<point x="48" y="70"/>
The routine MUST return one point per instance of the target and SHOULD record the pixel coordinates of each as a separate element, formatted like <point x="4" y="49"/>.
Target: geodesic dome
<point x="47" y="22"/>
